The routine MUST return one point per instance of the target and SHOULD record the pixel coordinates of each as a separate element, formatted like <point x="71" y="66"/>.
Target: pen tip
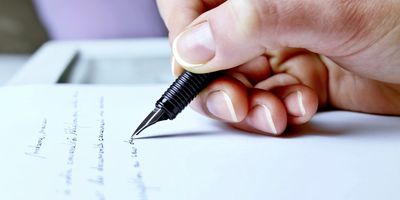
<point x="155" y="116"/>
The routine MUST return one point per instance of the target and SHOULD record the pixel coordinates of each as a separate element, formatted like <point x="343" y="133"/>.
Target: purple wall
<point x="94" y="19"/>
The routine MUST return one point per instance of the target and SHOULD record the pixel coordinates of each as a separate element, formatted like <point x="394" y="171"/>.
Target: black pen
<point x="185" y="88"/>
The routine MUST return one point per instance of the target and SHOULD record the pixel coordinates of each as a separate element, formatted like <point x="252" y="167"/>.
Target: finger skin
<point x="301" y="102"/>
<point x="255" y="122"/>
<point x="305" y="66"/>
<point x="235" y="89"/>
<point x="344" y="31"/>
<point x="177" y="14"/>
<point x="278" y="80"/>
<point x="255" y="70"/>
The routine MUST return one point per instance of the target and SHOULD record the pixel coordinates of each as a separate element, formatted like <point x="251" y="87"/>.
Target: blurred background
<point x="26" y="24"/>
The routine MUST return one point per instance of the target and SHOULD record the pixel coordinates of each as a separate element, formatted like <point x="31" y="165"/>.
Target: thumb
<point x="240" y="30"/>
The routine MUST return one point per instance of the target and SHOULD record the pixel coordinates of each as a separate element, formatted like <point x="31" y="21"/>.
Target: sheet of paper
<point x="71" y="142"/>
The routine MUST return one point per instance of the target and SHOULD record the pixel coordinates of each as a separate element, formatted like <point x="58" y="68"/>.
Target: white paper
<point x="71" y="142"/>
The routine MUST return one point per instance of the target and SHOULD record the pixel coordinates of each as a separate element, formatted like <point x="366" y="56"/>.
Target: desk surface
<point x="10" y="64"/>
<point x="125" y="61"/>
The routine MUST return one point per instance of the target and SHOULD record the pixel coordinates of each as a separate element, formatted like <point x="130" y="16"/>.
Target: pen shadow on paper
<point x="186" y="134"/>
<point x="383" y="127"/>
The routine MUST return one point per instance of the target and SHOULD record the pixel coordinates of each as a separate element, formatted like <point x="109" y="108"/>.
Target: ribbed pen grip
<point x="183" y="91"/>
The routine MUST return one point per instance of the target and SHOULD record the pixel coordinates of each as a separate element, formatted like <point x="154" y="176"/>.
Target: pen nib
<point x="155" y="116"/>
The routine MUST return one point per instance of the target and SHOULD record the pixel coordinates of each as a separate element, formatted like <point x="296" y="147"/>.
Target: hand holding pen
<point x="284" y="60"/>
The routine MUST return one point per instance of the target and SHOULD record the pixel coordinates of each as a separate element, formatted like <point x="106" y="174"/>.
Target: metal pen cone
<point x="155" y="116"/>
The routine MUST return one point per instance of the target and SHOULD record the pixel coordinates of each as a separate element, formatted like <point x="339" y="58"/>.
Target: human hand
<point x="284" y="59"/>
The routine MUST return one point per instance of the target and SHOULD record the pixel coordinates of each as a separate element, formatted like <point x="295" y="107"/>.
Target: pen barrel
<point x="185" y="88"/>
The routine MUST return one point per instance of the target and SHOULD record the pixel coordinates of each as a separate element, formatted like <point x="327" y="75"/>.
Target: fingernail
<point x="294" y="104"/>
<point x="261" y="118"/>
<point x="173" y="66"/>
<point x="220" y="105"/>
<point x="195" y="46"/>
